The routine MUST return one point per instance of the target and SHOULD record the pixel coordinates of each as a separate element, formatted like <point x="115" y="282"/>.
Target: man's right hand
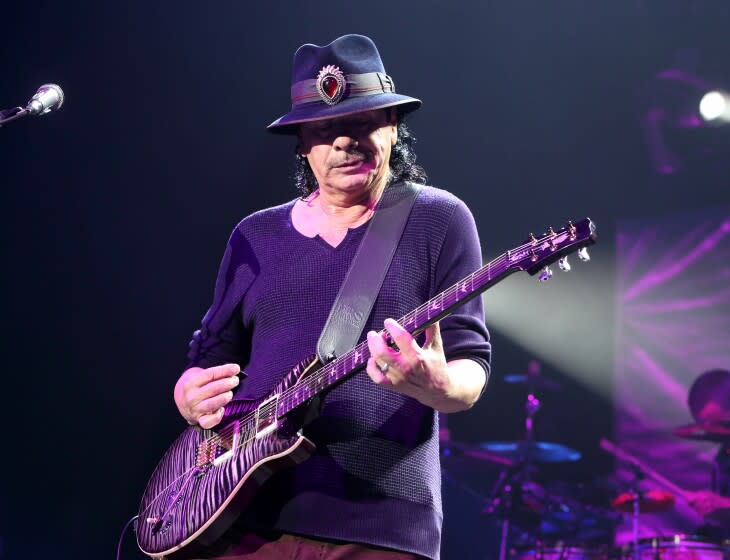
<point x="200" y="394"/>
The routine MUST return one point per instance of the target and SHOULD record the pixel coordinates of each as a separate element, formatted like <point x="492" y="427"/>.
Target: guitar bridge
<point x="218" y="449"/>
<point x="266" y="418"/>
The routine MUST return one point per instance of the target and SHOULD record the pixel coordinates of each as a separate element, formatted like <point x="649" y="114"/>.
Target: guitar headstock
<point x="537" y="253"/>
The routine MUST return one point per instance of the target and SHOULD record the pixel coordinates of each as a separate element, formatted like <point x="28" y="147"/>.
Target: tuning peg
<point x="571" y="230"/>
<point x="545" y="274"/>
<point x="583" y="254"/>
<point x="564" y="264"/>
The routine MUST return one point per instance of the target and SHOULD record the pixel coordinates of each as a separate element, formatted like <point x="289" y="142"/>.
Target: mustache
<point x="352" y="157"/>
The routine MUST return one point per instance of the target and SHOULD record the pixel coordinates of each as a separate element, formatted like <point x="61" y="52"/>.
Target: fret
<point x="436" y="305"/>
<point x="420" y="320"/>
<point x="356" y="357"/>
<point x="339" y="369"/>
<point x="461" y="289"/>
<point x="410" y="320"/>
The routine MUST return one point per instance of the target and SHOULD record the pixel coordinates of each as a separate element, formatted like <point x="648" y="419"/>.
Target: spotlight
<point x="715" y="106"/>
<point x="684" y="118"/>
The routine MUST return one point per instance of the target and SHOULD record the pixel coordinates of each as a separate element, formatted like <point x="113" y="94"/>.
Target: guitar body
<point x="205" y="480"/>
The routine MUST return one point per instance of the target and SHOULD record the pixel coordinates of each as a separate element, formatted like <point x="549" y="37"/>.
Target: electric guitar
<point x="208" y="477"/>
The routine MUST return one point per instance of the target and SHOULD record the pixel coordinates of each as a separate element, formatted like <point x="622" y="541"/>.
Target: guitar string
<point x="310" y="383"/>
<point x="247" y="427"/>
<point x="289" y="392"/>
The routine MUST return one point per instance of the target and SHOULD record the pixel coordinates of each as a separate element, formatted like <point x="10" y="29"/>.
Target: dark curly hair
<point x="403" y="166"/>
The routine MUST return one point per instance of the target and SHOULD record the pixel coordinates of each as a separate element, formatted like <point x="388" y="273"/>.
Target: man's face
<point x="350" y="153"/>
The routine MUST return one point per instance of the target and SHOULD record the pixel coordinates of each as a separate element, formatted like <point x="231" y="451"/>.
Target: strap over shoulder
<point x="367" y="271"/>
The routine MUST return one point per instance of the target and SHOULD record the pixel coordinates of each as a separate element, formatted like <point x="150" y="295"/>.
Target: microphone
<point x="49" y="97"/>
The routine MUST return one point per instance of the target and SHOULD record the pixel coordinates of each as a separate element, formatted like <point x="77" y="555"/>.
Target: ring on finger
<point x="383" y="368"/>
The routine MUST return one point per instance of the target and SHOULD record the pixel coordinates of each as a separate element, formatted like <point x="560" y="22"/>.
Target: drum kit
<point x="563" y="521"/>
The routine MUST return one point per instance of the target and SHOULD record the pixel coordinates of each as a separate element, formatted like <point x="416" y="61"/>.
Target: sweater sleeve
<point x="464" y="333"/>
<point x="222" y="337"/>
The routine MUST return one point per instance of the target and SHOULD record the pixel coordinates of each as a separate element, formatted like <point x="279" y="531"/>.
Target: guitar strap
<point x="367" y="271"/>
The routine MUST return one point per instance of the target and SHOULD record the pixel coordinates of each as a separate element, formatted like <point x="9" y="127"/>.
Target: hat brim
<point x="316" y="111"/>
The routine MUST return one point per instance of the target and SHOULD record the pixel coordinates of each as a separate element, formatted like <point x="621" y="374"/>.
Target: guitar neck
<point x="415" y="322"/>
<point x="531" y="256"/>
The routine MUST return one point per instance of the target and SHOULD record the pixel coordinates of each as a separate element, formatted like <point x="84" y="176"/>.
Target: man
<point x="709" y="403"/>
<point x="372" y="488"/>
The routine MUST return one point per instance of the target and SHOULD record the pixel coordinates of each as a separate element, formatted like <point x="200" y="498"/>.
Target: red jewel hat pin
<point x="330" y="84"/>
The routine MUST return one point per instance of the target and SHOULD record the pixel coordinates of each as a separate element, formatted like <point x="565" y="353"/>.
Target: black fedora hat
<point x="345" y="77"/>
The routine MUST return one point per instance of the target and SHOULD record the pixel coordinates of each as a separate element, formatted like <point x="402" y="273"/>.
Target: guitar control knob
<point x="545" y="274"/>
<point x="564" y="264"/>
<point x="583" y="254"/>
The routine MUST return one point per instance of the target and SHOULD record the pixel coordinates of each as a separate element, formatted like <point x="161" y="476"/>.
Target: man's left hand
<point x="409" y="369"/>
<point x="421" y="372"/>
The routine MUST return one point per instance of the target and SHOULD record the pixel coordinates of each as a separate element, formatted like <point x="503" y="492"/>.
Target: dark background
<point x="116" y="209"/>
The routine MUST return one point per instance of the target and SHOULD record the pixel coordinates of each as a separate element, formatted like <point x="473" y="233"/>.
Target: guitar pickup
<point x="230" y="443"/>
<point x="266" y="417"/>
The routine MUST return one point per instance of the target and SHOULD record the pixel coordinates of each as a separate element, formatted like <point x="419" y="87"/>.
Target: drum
<point x="678" y="547"/>
<point x="560" y="551"/>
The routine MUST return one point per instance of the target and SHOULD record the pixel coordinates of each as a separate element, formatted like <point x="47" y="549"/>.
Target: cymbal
<point x="652" y="501"/>
<point x="717" y="432"/>
<point x="538" y="451"/>
<point x="536" y="381"/>
<point x="452" y="448"/>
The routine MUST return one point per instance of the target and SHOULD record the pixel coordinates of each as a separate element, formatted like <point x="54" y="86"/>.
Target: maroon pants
<point x="292" y="547"/>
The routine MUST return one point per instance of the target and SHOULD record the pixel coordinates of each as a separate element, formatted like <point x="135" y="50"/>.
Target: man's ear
<point x="393" y="120"/>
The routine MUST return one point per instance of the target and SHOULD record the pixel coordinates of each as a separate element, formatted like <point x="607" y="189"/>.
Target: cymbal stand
<point x="500" y="503"/>
<point x="636" y="494"/>
<point x="531" y="407"/>
<point x="501" y="496"/>
<point x="504" y="536"/>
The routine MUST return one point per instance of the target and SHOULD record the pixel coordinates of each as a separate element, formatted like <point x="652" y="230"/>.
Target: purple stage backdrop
<point x="673" y="323"/>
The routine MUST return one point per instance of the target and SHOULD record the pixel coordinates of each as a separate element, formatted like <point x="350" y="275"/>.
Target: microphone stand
<point x="10" y="115"/>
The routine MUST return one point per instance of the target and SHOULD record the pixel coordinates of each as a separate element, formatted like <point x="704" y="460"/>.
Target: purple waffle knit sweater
<point x="375" y="477"/>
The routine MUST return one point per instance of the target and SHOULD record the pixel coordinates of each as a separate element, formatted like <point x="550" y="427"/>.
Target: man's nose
<point x="345" y="141"/>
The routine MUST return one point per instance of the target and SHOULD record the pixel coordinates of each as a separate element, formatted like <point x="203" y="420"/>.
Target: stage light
<point x="715" y="106"/>
<point x="681" y="114"/>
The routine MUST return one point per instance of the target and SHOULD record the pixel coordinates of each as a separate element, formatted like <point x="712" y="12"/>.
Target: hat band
<point x="356" y="85"/>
